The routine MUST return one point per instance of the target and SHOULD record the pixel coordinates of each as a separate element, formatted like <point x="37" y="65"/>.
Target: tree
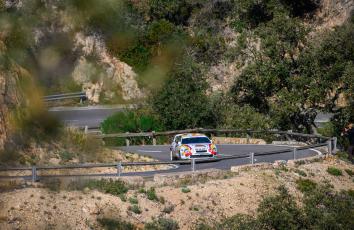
<point x="182" y="102"/>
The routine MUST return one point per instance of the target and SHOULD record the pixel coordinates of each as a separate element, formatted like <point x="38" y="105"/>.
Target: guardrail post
<point x="86" y="129"/>
<point x="119" y="168"/>
<point x="127" y="140"/>
<point x="193" y="164"/>
<point x="294" y="153"/>
<point x="34" y="173"/>
<point x="153" y="138"/>
<point x="329" y="146"/>
<point x="252" y="157"/>
<point x="334" y="145"/>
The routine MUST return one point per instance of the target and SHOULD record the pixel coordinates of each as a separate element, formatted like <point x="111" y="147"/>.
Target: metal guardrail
<point x="81" y="95"/>
<point x="119" y="165"/>
<point x="154" y="134"/>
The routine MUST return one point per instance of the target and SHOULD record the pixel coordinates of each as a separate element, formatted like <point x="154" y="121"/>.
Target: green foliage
<point x="280" y="211"/>
<point x="182" y="102"/>
<point x="185" y="190"/>
<point x="114" y="187"/>
<point x="112" y="224"/>
<point x="349" y="172"/>
<point x="305" y="185"/>
<point x="334" y="171"/>
<point x="133" y="200"/>
<point x="168" y="209"/>
<point x="320" y="211"/>
<point x="115" y="224"/>
<point x="162" y="224"/>
<point x="328" y="130"/>
<point x="131" y="121"/>
<point x="301" y="172"/>
<point x="151" y="194"/>
<point x="135" y="208"/>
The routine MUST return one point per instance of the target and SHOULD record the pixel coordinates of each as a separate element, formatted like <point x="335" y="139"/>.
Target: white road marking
<point x="318" y="151"/>
<point x="149" y="151"/>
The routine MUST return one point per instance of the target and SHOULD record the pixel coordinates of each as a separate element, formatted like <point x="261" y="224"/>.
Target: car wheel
<point x="172" y="157"/>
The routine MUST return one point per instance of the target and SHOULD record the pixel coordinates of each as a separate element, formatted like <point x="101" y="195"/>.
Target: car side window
<point x="178" y="139"/>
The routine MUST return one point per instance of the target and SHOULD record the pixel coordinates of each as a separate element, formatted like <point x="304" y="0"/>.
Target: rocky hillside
<point x="203" y="199"/>
<point x="117" y="51"/>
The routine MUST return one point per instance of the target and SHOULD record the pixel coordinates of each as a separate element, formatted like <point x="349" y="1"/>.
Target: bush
<point x="300" y="172"/>
<point x="334" y="171"/>
<point x="115" y="224"/>
<point x="185" y="190"/>
<point x="133" y="200"/>
<point x="305" y="185"/>
<point x="349" y="172"/>
<point x="131" y="121"/>
<point x="322" y="208"/>
<point x="168" y="209"/>
<point x="182" y="102"/>
<point x="114" y="187"/>
<point x="162" y="224"/>
<point x="135" y="208"/>
<point x="151" y="194"/>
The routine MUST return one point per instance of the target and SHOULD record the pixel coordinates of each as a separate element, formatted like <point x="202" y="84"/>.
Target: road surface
<point x="90" y="116"/>
<point x="162" y="153"/>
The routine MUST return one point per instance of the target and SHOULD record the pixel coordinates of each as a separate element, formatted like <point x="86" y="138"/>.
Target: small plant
<point x="162" y="200"/>
<point x="349" y="172"/>
<point x="66" y="156"/>
<point x="306" y="185"/>
<point x="135" y="208"/>
<point x="133" y="200"/>
<point x="162" y="223"/>
<point x="301" y="172"/>
<point x="117" y="224"/>
<point x="141" y="190"/>
<point x="168" y="209"/>
<point x="151" y="194"/>
<point x="114" y="187"/>
<point x="300" y="162"/>
<point x="185" y="190"/>
<point x="334" y="171"/>
<point x="351" y="192"/>
<point x="122" y="197"/>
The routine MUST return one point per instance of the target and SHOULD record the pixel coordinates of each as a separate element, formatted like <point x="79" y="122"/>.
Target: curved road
<point x="92" y="116"/>
<point x="162" y="153"/>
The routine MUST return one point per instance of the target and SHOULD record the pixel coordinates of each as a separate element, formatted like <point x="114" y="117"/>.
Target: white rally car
<point x="192" y="145"/>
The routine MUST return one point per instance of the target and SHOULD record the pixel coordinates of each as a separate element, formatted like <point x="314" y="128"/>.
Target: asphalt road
<point x="162" y="153"/>
<point x="90" y="116"/>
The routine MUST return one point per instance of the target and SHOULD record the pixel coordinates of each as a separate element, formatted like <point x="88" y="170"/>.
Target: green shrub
<point x="185" y="190"/>
<point x="162" y="224"/>
<point x="301" y="172"/>
<point x="135" y="208"/>
<point x="115" y="224"/>
<point x="305" y="185"/>
<point x="349" y="172"/>
<point x="151" y="194"/>
<point x="168" y="209"/>
<point x="66" y="156"/>
<point x="114" y="187"/>
<point x="133" y="200"/>
<point x="334" y="171"/>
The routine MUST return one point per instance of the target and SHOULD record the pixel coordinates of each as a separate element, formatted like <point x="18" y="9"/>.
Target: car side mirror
<point x="211" y="141"/>
<point x="179" y="143"/>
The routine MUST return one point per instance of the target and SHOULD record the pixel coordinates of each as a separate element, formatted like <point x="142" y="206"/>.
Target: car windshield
<point x="195" y="140"/>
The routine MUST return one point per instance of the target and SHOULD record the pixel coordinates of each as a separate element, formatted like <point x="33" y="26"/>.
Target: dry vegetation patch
<point x="185" y="203"/>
